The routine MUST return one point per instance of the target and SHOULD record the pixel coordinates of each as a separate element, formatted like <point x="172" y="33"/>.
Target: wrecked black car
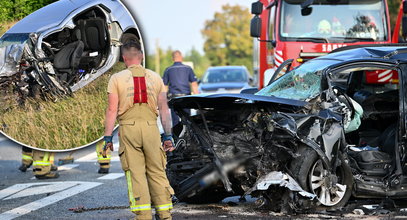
<point x="328" y="129"/>
<point x="62" y="47"/>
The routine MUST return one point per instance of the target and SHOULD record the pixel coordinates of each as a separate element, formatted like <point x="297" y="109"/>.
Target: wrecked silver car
<point x="328" y="129"/>
<point x="62" y="47"/>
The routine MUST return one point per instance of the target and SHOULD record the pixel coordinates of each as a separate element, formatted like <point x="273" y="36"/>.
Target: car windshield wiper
<point x="312" y="39"/>
<point x="353" y="39"/>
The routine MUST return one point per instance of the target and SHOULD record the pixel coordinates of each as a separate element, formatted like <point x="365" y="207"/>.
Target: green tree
<point x="393" y="11"/>
<point x="165" y="60"/>
<point x="227" y="38"/>
<point x="201" y="62"/>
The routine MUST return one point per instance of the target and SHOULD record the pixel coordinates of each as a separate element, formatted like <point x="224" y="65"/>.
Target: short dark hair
<point x="131" y="48"/>
<point x="131" y="45"/>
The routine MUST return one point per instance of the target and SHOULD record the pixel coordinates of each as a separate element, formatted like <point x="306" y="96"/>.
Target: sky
<point x="176" y="23"/>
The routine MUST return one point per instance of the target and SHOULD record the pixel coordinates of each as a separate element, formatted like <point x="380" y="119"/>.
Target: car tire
<point x="310" y="166"/>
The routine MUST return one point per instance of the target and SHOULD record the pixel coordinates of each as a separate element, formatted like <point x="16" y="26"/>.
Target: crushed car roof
<point x="385" y="51"/>
<point x="47" y="17"/>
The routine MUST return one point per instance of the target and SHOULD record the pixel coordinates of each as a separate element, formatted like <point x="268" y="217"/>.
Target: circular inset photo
<point x="54" y="68"/>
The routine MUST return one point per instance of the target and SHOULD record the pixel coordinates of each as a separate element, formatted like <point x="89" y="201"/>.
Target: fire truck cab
<point x="304" y="29"/>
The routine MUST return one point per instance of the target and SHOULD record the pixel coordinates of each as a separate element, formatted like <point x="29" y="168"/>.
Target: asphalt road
<point x="24" y="197"/>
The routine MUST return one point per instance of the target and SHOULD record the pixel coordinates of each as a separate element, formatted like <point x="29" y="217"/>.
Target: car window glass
<point x="9" y="39"/>
<point x="368" y="79"/>
<point x="225" y="75"/>
<point x="302" y="83"/>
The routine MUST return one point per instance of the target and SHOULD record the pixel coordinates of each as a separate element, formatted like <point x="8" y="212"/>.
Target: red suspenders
<point x="140" y="90"/>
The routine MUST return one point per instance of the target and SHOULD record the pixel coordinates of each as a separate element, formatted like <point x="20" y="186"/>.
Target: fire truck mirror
<point x="255" y="26"/>
<point x="306" y="11"/>
<point x="404" y="26"/>
<point x="257" y="8"/>
<point x="405" y="7"/>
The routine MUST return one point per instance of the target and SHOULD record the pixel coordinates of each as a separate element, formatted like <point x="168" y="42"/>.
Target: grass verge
<point x="68" y="123"/>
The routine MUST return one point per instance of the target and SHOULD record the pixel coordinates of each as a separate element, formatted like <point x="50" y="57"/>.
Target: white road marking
<point x="22" y="210"/>
<point x="111" y="176"/>
<point x="67" y="167"/>
<point x="46" y="188"/>
<point x="93" y="158"/>
<point x="88" y="158"/>
<point x="14" y="189"/>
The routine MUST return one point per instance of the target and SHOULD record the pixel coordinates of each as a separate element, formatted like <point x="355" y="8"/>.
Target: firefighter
<point x="43" y="163"/>
<point x="27" y="158"/>
<point x="134" y="95"/>
<point x="103" y="159"/>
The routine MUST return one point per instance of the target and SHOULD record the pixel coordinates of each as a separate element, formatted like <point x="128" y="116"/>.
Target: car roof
<point x="47" y="17"/>
<point x="366" y="52"/>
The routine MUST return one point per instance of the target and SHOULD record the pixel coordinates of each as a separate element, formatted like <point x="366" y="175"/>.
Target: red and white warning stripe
<point x="278" y="58"/>
<point x="385" y="76"/>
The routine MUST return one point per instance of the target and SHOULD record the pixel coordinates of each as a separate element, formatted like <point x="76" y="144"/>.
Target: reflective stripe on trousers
<point x="26" y="157"/>
<point x="45" y="161"/>
<point x="163" y="207"/>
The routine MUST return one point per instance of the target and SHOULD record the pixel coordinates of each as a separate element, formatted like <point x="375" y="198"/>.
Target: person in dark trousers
<point x="179" y="79"/>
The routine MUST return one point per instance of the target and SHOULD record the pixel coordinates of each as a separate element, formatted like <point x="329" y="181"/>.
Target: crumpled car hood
<point x="10" y="57"/>
<point x="228" y="100"/>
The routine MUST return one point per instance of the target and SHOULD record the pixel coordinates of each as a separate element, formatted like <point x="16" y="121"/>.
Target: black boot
<point x="53" y="167"/>
<point x="103" y="170"/>
<point x="50" y="175"/>
<point x="23" y="167"/>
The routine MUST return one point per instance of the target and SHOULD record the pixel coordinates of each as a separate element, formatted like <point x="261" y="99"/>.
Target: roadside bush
<point x="18" y="9"/>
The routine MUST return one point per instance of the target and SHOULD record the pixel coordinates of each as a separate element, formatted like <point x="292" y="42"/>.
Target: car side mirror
<point x="257" y="8"/>
<point x="255" y="27"/>
<point x="404" y="26"/>
<point x="306" y="11"/>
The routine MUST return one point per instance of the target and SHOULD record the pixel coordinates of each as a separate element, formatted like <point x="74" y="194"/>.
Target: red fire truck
<point x="305" y="29"/>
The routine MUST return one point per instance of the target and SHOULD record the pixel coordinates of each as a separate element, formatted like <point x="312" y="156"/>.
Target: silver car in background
<point x="225" y="79"/>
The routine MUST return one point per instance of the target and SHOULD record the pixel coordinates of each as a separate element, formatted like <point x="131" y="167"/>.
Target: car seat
<point x="387" y="139"/>
<point x="66" y="61"/>
<point x="93" y="34"/>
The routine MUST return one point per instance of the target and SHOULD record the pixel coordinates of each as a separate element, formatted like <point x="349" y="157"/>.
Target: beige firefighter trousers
<point x="42" y="162"/>
<point x="27" y="157"/>
<point x="143" y="159"/>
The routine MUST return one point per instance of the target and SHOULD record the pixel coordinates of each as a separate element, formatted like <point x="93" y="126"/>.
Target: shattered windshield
<point x="352" y="20"/>
<point x="302" y="83"/>
<point x="10" y="39"/>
